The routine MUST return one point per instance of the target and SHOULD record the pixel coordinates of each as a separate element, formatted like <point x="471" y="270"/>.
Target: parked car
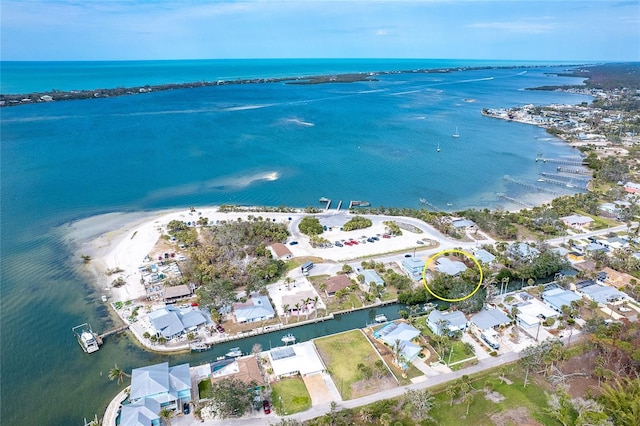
<point x="419" y="242"/>
<point x="266" y="406"/>
<point x="293" y="243"/>
<point x="386" y="236"/>
<point x="375" y="238"/>
<point x="407" y="255"/>
<point x="624" y="309"/>
<point x="185" y="408"/>
<point x="371" y="240"/>
<point x="338" y="244"/>
<point x="220" y="328"/>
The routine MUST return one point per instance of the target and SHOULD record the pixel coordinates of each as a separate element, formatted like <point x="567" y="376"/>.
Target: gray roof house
<point x="170" y="387"/>
<point x="523" y="251"/>
<point x="404" y="333"/>
<point x="450" y="267"/>
<point x="453" y="321"/>
<point x="484" y="256"/>
<point x="462" y="223"/>
<point x="141" y="413"/>
<point x="257" y="308"/>
<point x="490" y="318"/>
<point x="602" y="294"/>
<point x="557" y="298"/>
<point x="171" y="320"/>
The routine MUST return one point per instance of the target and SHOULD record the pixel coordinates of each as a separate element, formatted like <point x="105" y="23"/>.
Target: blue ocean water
<point x="254" y="144"/>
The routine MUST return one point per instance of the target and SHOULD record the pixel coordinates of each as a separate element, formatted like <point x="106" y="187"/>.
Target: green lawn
<point x="342" y="353"/>
<point x="204" y="389"/>
<point x="532" y="398"/>
<point x="290" y="396"/>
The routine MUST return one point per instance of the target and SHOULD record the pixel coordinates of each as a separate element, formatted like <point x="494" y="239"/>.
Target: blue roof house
<point x="257" y="308"/>
<point x="603" y="294"/>
<point x="556" y="298"/>
<point x="144" y="412"/>
<point x="371" y="276"/>
<point x="169" y="387"/>
<point x="172" y="321"/>
<point x="440" y="322"/>
<point x="490" y="318"/>
<point x="484" y="256"/>
<point x="413" y="266"/>
<point x="404" y="333"/>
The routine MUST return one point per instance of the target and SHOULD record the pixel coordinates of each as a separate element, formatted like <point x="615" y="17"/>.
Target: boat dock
<point x="358" y="203"/>
<point x="513" y="200"/>
<point x="529" y="186"/>
<point x="113" y="331"/>
<point x="91" y="341"/>
<point x="574" y="171"/>
<point x="560" y="161"/>
<point x="424" y="202"/>
<point x="581" y="180"/>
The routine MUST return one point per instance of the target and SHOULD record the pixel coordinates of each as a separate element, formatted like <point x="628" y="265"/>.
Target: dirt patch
<point x="317" y="389"/>
<point x="517" y="416"/>
<point x="581" y="364"/>
<point x="367" y="387"/>
<point x="493" y="396"/>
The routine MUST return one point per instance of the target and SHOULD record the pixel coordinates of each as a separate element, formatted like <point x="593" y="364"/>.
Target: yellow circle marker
<point x="441" y="253"/>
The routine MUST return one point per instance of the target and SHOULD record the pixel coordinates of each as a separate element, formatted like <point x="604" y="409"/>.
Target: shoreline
<point x="16" y="99"/>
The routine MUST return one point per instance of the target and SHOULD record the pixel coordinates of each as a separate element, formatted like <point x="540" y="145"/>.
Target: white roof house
<point x="576" y="220"/>
<point x="257" y="308"/>
<point x="370" y="276"/>
<point x="453" y="321"/>
<point x="557" y="298"/>
<point x="301" y="358"/>
<point x="484" y="256"/>
<point x="450" y="267"/>
<point x="413" y="266"/>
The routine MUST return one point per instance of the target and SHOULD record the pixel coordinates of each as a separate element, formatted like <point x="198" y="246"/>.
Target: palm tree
<point x="315" y="304"/>
<point x="166" y="415"/>
<point x="397" y="348"/>
<point x="468" y="398"/>
<point x="285" y="311"/>
<point x="297" y="305"/>
<point x="365" y="415"/>
<point x="117" y="373"/>
<point x="306" y="306"/>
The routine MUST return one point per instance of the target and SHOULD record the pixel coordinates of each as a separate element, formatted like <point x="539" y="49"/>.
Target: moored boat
<point x="87" y="339"/>
<point x="289" y="338"/>
<point x="380" y="318"/>
<point x="234" y="353"/>
<point x="199" y="347"/>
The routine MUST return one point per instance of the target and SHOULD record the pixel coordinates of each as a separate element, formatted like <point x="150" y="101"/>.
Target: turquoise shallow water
<point x="266" y="144"/>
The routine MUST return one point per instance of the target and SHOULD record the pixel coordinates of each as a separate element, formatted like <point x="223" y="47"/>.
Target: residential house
<point x="576" y="221"/>
<point x="632" y="188"/>
<point x="257" y="308"/>
<point x="462" y="224"/>
<point x="452" y="321"/>
<point x="298" y="298"/>
<point x="280" y="251"/>
<point x="556" y="298"/>
<point x="614" y="278"/>
<point x="450" y="267"/>
<point x="414" y="267"/>
<point x="532" y="311"/>
<point x="141" y="413"/>
<point x="337" y="283"/>
<point x="171" y="321"/>
<point x="245" y="369"/>
<point x="301" y="358"/>
<point x="484" y="257"/>
<point x="171" y="294"/>
<point x="170" y="387"/>
<point x="489" y="319"/>
<point x="522" y="252"/>
<point x="371" y="276"/>
<point x="402" y="333"/>
<point x="602" y="294"/>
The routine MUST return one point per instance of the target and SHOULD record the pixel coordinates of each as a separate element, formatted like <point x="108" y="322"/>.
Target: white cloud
<point x="382" y="32"/>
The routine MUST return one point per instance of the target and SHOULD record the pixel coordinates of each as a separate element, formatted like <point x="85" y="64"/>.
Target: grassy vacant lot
<point x="341" y="354"/>
<point x="294" y="394"/>
<point x="507" y="403"/>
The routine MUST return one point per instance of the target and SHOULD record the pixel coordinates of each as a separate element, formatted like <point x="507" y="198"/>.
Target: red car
<point x="266" y="406"/>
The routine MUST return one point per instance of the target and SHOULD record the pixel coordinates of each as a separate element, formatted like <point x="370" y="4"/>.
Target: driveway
<point x="317" y="388"/>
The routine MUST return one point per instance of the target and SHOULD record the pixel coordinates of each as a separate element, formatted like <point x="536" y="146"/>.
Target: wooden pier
<point x="111" y="332"/>
<point x="529" y="186"/>
<point x="581" y="180"/>
<point x="574" y="171"/>
<point x="560" y="161"/>
<point x="513" y="200"/>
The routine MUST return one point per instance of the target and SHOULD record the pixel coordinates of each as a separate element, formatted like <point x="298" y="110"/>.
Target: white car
<point x="624" y="309"/>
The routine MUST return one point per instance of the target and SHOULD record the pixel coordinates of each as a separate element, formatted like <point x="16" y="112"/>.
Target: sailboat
<point x="456" y="134"/>
<point x="438" y="146"/>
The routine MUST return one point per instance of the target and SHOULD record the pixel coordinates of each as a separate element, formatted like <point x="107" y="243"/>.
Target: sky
<point x="575" y="30"/>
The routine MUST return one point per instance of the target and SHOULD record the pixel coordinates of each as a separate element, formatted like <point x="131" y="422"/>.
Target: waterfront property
<point x="257" y="308"/>
<point x="172" y="321"/>
<point x="522" y="251"/>
<point x="484" y="257"/>
<point x="614" y="278"/>
<point x="170" y="387"/>
<point x="245" y="369"/>
<point x="300" y="358"/>
<point x="576" y="221"/>
<point x="532" y="311"/>
<point x="144" y="412"/>
<point x="402" y="333"/>
<point x="556" y="298"/>
<point x="449" y="322"/>
<point x="174" y="293"/>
